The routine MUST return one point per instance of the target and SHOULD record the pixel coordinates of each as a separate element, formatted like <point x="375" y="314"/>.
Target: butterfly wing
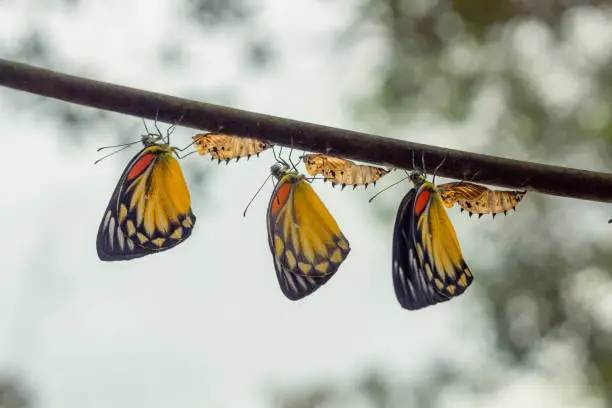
<point x="314" y="163"/>
<point x="477" y="199"/>
<point x="150" y="209"/>
<point x="428" y="266"/>
<point x="341" y="171"/>
<point x="452" y="193"/>
<point x="227" y="147"/>
<point x="306" y="242"/>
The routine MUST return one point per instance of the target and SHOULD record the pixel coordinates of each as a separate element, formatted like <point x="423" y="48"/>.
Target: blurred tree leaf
<point x="215" y="12"/>
<point x="13" y="394"/>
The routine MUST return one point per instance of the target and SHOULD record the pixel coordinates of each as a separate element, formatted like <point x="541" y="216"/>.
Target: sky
<point x="205" y="323"/>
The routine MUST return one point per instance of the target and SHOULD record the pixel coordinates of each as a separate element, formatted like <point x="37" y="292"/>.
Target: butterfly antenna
<point x="386" y="188"/>
<point x="277" y="156"/>
<point x="290" y="153"/>
<point x="280" y="159"/>
<point x="185" y="155"/>
<point x="173" y="127"/>
<point x="145" y="126"/>
<point x="123" y="147"/>
<point x="291" y="161"/>
<point x="159" y="133"/>
<point x="256" y="193"/>
<point x="186" y="147"/>
<point x="311" y="179"/>
<point x="280" y="156"/>
<point x="120" y="147"/>
<point x="274" y="153"/>
<point x="438" y="168"/>
<point x="423" y="162"/>
<point x="147" y="133"/>
<point x="169" y="132"/>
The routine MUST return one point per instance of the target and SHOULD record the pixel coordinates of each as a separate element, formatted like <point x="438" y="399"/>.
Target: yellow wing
<point x="306" y="242"/>
<point x="341" y="171"/>
<point x="150" y="210"/>
<point x="428" y="266"/>
<point x="477" y="199"/>
<point x="227" y="147"/>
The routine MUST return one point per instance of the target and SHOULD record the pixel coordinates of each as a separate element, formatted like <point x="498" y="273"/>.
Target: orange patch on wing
<point x="140" y="166"/>
<point x="421" y="202"/>
<point x="281" y="196"/>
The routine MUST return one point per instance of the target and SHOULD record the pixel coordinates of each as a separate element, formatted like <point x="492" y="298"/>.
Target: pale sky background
<point x="205" y="324"/>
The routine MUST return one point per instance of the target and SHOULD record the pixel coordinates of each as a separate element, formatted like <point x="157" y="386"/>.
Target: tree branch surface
<point x="498" y="171"/>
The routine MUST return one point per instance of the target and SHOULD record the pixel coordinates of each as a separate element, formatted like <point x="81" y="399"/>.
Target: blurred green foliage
<point x="13" y="394"/>
<point x="214" y="12"/>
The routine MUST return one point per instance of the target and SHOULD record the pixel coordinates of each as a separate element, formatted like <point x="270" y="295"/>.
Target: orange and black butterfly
<point x="342" y="171"/>
<point x="224" y="147"/>
<point x="428" y="266"/>
<point x="305" y="240"/>
<point x="477" y="199"/>
<point x="150" y="209"/>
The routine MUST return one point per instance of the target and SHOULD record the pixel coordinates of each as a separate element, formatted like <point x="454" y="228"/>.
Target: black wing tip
<point x="416" y="301"/>
<point x="293" y="296"/>
<point x="303" y="291"/>
<point x="418" y="305"/>
<point x="106" y="254"/>
<point x="139" y="252"/>
<point x="107" y="257"/>
<point x="193" y="221"/>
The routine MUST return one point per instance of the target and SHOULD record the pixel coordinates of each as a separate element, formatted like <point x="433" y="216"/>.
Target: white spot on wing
<point x="105" y="223"/>
<point x="301" y="281"/>
<point x="289" y="279"/>
<point x="111" y="233"/>
<point x="120" y="238"/>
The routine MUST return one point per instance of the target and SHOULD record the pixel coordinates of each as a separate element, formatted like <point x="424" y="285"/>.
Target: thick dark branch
<point x="560" y="181"/>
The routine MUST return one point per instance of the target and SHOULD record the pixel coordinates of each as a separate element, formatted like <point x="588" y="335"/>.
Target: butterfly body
<point x="224" y="147"/>
<point x="477" y="199"/>
<point x="341" y="171"/>
<point x="428" y="266"/>
<point x="150" y="209"/>
<point x="306" y="243"/>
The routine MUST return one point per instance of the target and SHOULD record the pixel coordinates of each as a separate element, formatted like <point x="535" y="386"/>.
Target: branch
<point x="555" y="180"/>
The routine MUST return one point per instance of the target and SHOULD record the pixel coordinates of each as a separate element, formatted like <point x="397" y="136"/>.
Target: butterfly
<point x="341" y="171"/>
<point x="227" y="147"/>
<point x="150" y="209"/>
<point x="305" y="240"/>
<point x="428" y="266"/>
<point x="477" y="199"/>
